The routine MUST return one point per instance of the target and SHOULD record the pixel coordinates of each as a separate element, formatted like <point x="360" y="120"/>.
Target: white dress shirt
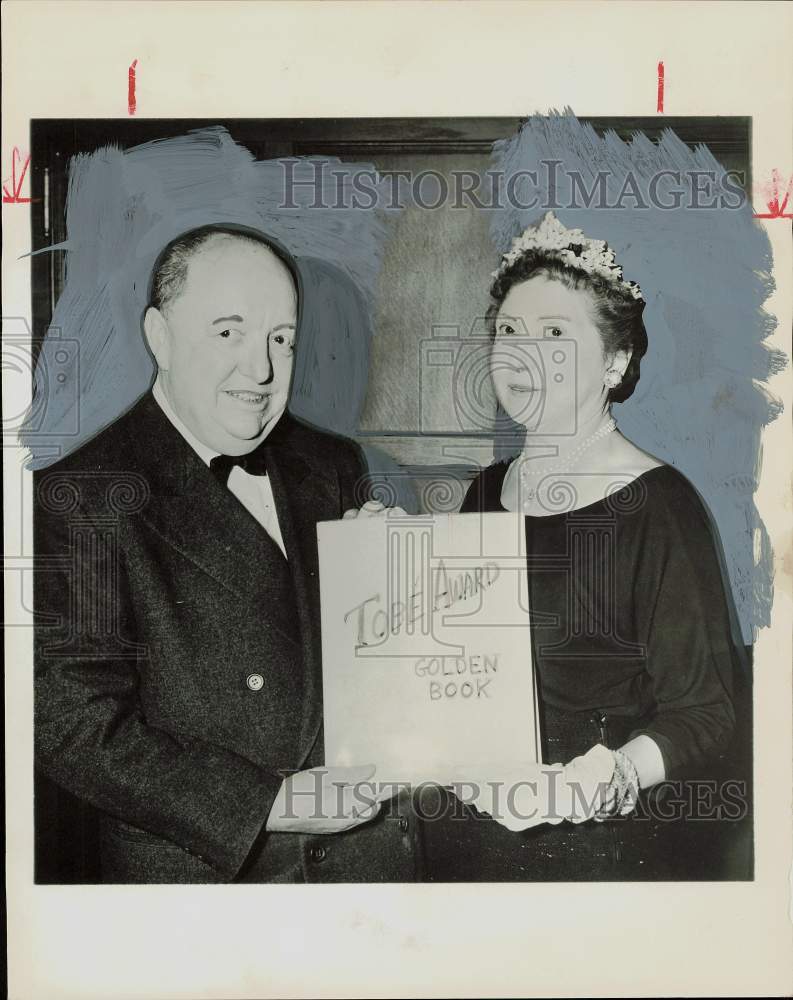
<point x="255" y="493"/>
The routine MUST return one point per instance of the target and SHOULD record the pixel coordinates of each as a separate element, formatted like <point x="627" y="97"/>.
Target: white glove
<point x="523" y="797"/>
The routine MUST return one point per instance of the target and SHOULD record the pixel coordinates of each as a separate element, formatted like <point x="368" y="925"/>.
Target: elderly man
<point x="178" y="683"/>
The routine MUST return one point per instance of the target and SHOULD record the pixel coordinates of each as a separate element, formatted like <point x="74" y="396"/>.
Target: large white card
<point x="426" y="652"/>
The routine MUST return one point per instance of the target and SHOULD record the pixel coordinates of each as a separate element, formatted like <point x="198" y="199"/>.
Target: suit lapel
<point x="203" y="521"/>
<point x="200" y="518"/>
<point x="305" y="492"/>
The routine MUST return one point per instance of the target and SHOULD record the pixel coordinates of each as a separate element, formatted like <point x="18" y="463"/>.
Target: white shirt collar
<point x="205" y="454"/>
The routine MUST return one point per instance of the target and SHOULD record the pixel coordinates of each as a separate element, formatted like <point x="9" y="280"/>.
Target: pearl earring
<point x="612" y="378"/>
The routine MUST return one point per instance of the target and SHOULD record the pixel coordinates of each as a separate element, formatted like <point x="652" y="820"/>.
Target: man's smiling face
<point x="224" y="344"/>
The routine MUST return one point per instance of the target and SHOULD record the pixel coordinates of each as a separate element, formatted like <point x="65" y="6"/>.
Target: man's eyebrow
<point x="239" y="319"/>
<point x="555" y="317"/>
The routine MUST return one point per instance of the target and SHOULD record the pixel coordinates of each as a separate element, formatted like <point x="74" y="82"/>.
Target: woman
<point x="629" y="621"/>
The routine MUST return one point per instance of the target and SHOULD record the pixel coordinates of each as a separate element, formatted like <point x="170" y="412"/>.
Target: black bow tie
<point x="254" y="463"/>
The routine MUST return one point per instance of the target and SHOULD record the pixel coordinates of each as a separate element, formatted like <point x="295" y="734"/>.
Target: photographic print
<point x="630" y="625"/>
<point x="398" y="500"/>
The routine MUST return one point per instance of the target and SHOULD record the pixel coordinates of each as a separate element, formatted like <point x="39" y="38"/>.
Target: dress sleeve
<point x="683" y="614"/>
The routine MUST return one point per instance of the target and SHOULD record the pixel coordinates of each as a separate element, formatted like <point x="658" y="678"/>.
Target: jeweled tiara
<point x="573" y="249"/>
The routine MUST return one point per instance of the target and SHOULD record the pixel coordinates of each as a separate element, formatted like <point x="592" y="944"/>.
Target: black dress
<point x="630" y="634"/>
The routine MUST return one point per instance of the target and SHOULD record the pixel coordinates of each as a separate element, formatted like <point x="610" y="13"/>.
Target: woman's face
<point x="547" y="360"/>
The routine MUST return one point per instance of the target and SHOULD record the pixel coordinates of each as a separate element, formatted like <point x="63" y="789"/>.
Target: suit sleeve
<point x="353" y="475"/>
<point x="91" y="733"/>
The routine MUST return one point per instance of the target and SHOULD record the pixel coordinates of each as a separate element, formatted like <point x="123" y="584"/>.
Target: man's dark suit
<point x="172" y="707"/>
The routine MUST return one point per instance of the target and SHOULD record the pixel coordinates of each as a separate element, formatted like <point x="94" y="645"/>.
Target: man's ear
<point x="158" y="337"/>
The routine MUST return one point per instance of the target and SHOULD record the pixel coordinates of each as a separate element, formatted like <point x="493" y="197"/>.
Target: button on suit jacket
<point x="157" y="596"/>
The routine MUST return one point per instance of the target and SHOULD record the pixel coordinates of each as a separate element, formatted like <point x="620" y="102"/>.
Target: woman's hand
<point x="372" y="508"/>
<point x="523" y="797"/>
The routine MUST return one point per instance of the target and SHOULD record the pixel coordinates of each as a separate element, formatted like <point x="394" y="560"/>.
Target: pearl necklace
<point x="527" y="472"/>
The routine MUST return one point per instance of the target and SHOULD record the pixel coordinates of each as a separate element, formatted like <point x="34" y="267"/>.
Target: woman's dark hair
<point x="170" y="269"/>
<point x="618" y="314"/>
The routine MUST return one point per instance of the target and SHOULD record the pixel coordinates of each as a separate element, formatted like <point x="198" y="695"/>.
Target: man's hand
<point x="326" y="800"/>
<point x="372" y="508"/>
